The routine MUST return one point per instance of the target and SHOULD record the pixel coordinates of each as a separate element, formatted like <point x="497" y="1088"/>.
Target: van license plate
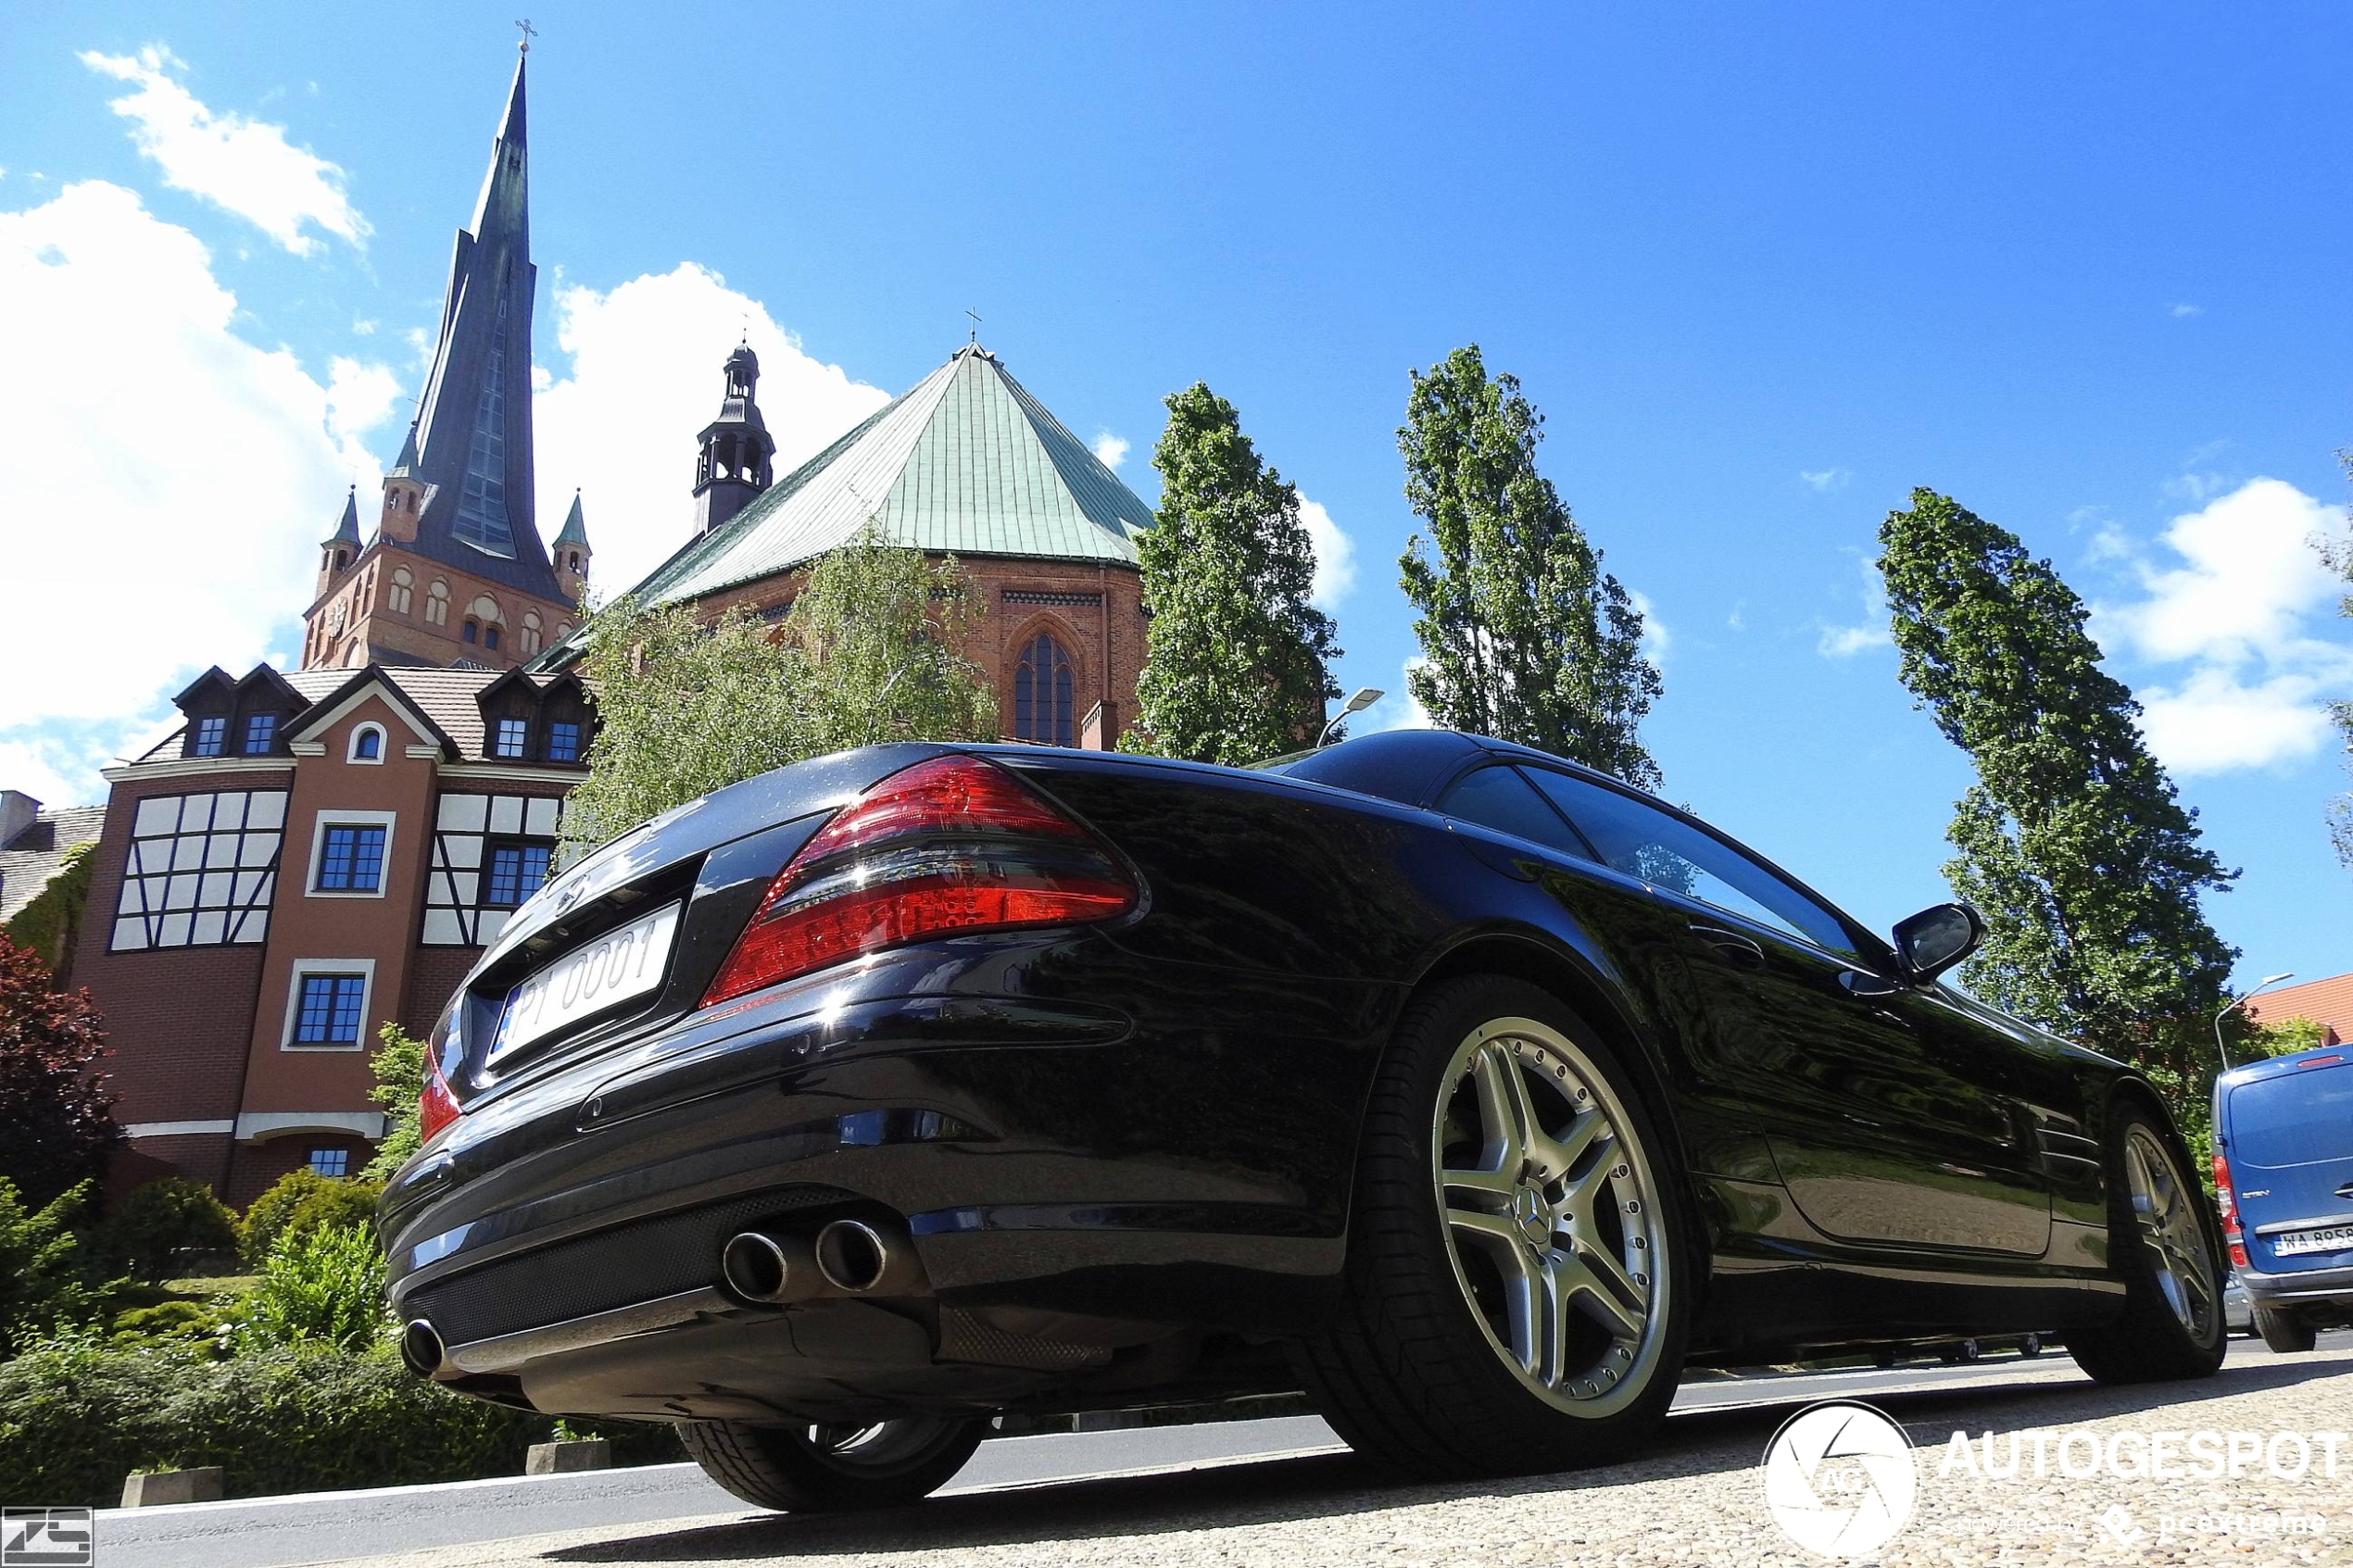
<point x="626" y="961"/>
<point x="2331" y="1238"/>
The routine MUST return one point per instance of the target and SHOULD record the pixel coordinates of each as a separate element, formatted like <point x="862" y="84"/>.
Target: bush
<point x="320" y="1286"/>
<point x="76" y="1418"/>
<point x="156" y="1224"/>
<point x="399" y="1064"/>
<point x="302" y="1200"/>
<point x="42" y="1287"/>
<point x="344" y="1203"/>
<point x="166" y="1323"/>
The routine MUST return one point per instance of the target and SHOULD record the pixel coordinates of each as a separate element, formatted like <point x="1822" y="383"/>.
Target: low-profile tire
<point x="820" y="1468"/>
<point x="1521" y="1267"/>
<point x="2164" y="1243"/>
<point x="2285" y="1332"/>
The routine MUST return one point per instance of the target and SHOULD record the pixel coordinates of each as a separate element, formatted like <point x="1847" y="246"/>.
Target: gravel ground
<point x="1694" y="1496"/>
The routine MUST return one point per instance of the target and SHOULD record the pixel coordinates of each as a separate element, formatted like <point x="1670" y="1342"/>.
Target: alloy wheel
<point x="1552" y="1215"/>
<point x="2165" y="1218"/>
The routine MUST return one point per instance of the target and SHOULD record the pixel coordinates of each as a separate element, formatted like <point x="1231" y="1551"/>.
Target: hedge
<point x="77" y="1417"/>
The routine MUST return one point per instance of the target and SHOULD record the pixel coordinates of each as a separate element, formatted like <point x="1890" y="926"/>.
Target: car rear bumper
<point x="2301" y="1285"/>
<point x="1076" y="1180"/>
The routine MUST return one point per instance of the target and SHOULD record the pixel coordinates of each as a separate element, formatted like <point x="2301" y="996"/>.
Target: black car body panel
<point x="1124" y="1152"/>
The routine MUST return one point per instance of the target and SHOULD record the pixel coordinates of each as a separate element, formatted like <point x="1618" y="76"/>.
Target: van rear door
<point x="2288" y="1135"/>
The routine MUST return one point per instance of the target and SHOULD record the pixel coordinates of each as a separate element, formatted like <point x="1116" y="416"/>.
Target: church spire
<point x="573" y="553"/>
<point x="472" y="461"/>
<point x="339" y="549"/>
<point x="737" y="451"/>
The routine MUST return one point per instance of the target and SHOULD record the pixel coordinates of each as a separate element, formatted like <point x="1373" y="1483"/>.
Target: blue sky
<point x="1763" y="270"/>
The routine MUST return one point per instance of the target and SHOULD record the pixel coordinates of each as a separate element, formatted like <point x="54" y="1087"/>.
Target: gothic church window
<point x="437" y="603"/>
<point x="398" y="596"/>
<point x="482" y="503"/>
<point x="1043" y="694"/>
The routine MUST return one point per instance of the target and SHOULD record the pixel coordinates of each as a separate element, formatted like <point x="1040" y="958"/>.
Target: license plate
<point x="2333" y="1239"/>
<point x="625" y="961"/>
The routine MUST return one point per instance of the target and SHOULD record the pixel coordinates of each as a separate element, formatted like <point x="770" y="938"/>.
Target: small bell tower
<point x="571" y="553"/>
<point x="339" y="549"/>
<point x="737" y="451"/>
<point x="404" y="495"/>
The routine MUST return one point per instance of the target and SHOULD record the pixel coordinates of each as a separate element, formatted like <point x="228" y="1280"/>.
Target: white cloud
<point x="1825" y="480"/>
<point x="1844" y="642"/>
<point x="363" y="326"/>
<point x="1399" y="708"/>
<point x="1335" y="557"/>
<point x="2235" y="612"/>
<point x="359" y="397"/>
<point x="1737" y="619"/>
<point x="1110" y="450"/>
<point x="644" y="376"/>
<point x="193" y="545"/>
<point x="1659" y="638"/>
<point x="245" y="166"/>
<point x="2180" y="312"/>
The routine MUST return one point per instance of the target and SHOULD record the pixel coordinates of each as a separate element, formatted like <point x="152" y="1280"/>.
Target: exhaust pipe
<point x="858" y="1259"/>
<point x="420" y="1348"/>
<point x="770" y="1270"/>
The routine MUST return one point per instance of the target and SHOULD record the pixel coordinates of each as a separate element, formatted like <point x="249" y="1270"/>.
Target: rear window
<point x="2299" y="1118"/>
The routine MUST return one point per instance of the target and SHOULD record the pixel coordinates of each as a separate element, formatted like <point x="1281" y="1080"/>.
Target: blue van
<point x="2284" y="1172"/>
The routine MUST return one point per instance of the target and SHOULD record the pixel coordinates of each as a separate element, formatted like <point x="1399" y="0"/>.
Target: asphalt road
<point x="1027" y="1479"/>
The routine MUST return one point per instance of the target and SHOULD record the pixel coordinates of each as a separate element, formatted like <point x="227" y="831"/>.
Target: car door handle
<point x="1740" y="951"/>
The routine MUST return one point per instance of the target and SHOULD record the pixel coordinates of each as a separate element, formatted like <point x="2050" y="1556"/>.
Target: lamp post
<point x="2268" y="981"/>
<point x="1364" y="697"/>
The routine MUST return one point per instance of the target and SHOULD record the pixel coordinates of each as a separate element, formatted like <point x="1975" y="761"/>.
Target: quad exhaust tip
<point x="847" y="1258"/>
<point x="420" y="1348"/>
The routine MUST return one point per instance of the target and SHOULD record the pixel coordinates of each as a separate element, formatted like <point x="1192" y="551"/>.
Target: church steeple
<point x="737" y="451"/>
<point x="573" y="553"/>
<point x="473" y="456"/>
<point x="339" y="549"/>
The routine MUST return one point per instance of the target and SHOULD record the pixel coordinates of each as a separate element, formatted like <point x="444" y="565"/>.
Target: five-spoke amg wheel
<point x="813" y="1469"/>
<point x="1515" y="1298"/>
<point x="2164" y="1242"/>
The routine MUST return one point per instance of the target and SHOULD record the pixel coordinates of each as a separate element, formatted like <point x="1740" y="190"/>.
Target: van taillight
<point x="954" y="844"/>
<point x="2228" y="1201"/>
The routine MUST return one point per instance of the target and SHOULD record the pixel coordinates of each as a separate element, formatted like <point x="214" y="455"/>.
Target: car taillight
<point x="436" y="1108"/>
<point x="2229" y="1203"/>
<point x="956" y="844"/>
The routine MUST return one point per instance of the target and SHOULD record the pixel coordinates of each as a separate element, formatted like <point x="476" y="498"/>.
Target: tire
<point x="2031" y="1345"/>
<point x="2285" y="1332"/>
<point x="833" y="1469"/>
<point x="2164" y="1242"/>
<point x="1427" y="1368"/>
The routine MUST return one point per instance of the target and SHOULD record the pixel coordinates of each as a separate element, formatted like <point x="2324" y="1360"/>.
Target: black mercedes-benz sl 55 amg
<point x="839" y="1113"/>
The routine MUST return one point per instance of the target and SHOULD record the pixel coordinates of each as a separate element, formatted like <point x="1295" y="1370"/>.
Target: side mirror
<point x="1937" y="938"/>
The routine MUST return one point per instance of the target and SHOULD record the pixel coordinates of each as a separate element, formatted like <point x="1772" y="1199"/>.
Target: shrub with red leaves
<point x="57" y="1119"/>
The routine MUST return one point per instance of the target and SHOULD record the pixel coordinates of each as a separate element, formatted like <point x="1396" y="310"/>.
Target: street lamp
<point x="1365" y="696"/>
<point x="2268" y="981"/>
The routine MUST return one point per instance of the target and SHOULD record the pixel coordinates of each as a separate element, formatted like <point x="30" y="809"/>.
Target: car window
<point x="1643" y="841"/>
<point x="1499" y="798"/>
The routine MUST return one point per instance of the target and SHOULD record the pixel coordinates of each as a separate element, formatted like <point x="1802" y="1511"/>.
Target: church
<point x="315" y="853"/>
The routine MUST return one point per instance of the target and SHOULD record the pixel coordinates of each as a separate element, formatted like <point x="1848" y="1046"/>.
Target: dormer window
<point x="261" y="732"/>
<point x="212" y="736"/>
<point x="510" y="737"/>
<point x="563" y="741"/>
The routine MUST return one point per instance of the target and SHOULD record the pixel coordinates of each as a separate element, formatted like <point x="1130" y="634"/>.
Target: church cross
<point x="529" y="32"/>
<point x="975" y="316"/>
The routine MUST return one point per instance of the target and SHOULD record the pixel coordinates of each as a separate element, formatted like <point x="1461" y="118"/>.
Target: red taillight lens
<point x="436" y="1108"/>
<point x="952" y="844"/>
<point x="2222" y="1193"/>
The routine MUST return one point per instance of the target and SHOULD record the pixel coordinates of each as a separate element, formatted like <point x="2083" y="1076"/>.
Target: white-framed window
<point x="367" y="743"/>
<point x="327" y="1004"/>
<point x="201" y="869"/>
<point x="350" y="855"/>
<point x="330" y="1161"/>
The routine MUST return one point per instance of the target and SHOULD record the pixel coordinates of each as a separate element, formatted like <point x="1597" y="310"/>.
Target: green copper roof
<point x="575" y="531"/>
<point x="967" y="463"/>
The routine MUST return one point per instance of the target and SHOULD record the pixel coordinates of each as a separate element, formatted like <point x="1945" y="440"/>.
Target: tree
<point x="399" y="1066"/>
<point x="155" y="1226"/>
<point x="59" y="1116"/>
<point x="872" y="650"/>
<point x="43" y="1285"/>
<point x="2088" y="870"/>
<point x="1524" y="636"/>
<point x="1237" y="661"/>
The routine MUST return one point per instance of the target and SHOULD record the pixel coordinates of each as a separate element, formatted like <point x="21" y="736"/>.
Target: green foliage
<point x="267" y="1215"/>
<point x="59" y="1116"/>
<point x="2338" y="553"/>
<point x="49" y="923"/>
<point x="319" y="1286"/>
<point x="174" y="1322"/>
<point x="1523" y="635"/>
<point x="399" y="1066"/>
<point x="155" y="1226"/>
<point x="872" y="650"/>
<point x="1236" y="659"/>
<point x="2088" y="870"/>
<point x="2286" y="1037"/>
<point x="41" y="1282"/>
